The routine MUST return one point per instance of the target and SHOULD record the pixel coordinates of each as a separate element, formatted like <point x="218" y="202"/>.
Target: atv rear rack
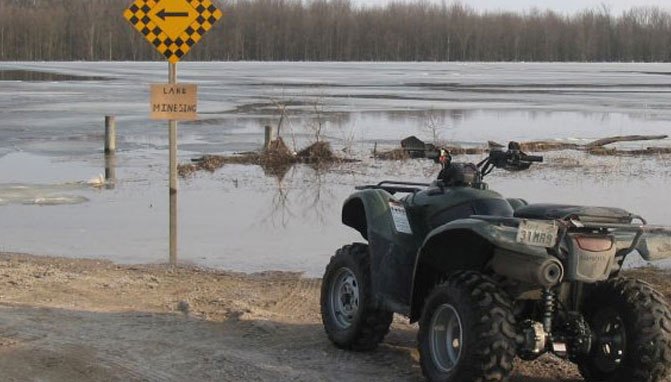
<point x="574" y="225"/>
<point x="392" y="186"/>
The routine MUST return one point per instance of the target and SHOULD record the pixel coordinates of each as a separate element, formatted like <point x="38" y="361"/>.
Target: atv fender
<point x="464" y="244"/>
<point x="392" y="253"/>
<point x="655" y="246"/>
<point x="365" y="211"/>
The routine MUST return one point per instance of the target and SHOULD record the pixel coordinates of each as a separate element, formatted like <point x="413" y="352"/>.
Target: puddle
<point x="37" y="76"/>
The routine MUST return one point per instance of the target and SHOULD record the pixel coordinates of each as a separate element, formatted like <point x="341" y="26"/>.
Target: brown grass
<point x="212" y="163"/>
<point x="276" y="159"/>
<point x="319" y="152"/>
<point x="395" y="154"/>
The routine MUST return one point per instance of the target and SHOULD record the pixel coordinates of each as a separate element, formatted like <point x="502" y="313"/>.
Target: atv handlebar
<point x="512" y="159"/>
<point x="534" y="158"/>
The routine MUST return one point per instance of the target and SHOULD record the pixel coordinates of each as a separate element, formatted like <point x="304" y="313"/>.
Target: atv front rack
<point x="392" y="186"/>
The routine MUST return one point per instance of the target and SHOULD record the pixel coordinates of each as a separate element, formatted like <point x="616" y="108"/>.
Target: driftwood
<point x="413" y="147"/>
<point x="615" y="152"/>
<point x="538" y="146"/>
<point x="596" y="147"/>
<point x="624" y="138"/>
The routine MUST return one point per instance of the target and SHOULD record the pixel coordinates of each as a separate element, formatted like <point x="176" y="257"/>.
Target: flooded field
<point x="240" y="218"/>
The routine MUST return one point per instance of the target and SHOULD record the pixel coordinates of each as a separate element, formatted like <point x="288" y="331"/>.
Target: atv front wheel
<point x="350" y="318"/>
<point x="631" y="331"/>
<point x="467" y="331"/>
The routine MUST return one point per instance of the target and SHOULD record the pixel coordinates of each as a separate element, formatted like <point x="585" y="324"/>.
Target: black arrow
<point x="163" y="14"/>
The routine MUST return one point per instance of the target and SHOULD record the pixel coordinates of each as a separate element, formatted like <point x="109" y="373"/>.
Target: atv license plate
<point x="537" y="233"/>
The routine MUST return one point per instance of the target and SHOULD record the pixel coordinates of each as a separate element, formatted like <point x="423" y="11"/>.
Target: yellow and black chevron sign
<point x="173" y="26"/>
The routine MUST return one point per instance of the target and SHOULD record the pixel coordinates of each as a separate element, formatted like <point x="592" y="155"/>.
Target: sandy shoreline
<point x="90" y="320"/>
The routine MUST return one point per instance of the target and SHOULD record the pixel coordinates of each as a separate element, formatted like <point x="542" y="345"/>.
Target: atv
<point x="490" y="278"/>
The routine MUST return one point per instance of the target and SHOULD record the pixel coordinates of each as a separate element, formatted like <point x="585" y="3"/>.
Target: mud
<point x="87" y="320"/>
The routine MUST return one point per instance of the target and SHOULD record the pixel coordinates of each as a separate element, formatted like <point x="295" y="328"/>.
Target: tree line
<point x="338" y="30"/>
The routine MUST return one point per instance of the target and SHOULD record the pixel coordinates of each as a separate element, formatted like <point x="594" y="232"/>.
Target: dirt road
<point x="84" y="320"/>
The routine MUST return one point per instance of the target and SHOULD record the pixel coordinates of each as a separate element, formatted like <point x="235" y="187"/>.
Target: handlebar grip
<point x="533" y="158"/>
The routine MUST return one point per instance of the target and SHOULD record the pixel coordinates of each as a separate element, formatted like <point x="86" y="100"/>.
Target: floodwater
<point x="240" y="218"/>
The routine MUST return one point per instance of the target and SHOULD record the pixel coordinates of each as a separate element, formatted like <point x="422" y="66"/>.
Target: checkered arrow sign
<point x="173" y="26"/>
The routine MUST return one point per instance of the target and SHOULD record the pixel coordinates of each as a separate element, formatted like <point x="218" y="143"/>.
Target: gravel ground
<point x="86" y="320"/>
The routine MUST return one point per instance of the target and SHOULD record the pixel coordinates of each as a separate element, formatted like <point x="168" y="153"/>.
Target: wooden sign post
<point x="172" y="163"/>
<point x="173" y="27"/>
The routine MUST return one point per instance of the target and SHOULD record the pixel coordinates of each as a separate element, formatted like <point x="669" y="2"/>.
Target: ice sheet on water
<point x="41" y="195"/>
<point x="373" y="101"/>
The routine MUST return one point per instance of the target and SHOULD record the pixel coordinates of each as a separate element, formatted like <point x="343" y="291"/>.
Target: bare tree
<point x="318" y="121"/>
<point x="435" y="124"/>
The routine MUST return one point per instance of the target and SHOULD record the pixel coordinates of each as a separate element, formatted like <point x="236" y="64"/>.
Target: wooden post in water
<point x="110" y="135"/>
<point x="110" y="151"/>
<point x="269" y="137"/>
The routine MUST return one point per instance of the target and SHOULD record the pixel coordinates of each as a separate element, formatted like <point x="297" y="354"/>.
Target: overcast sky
<point x="567" y="6"/>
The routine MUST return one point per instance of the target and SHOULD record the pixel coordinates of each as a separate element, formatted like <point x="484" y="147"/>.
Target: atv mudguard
<point x="464" y="244"/>
<point x="392" y="253"/>
<point x="655" y="247"/>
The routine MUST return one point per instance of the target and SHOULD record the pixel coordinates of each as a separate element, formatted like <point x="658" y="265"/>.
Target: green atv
<point x="490" y="278"/>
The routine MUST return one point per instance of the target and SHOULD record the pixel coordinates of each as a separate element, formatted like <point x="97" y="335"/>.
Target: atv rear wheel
<point x="350" y="318"/>
<point x="467" y="331"/>
<point x="631" y="327"/>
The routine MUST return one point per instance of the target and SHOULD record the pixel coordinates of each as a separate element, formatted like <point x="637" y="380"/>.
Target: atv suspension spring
<point x="549" y="307"/>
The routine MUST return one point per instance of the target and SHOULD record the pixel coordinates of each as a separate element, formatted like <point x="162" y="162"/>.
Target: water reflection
<point x="280" y="209"/>
<point x="317" y="198"/>
<point x="301" y="191"/>
<point x="110" y="171"/>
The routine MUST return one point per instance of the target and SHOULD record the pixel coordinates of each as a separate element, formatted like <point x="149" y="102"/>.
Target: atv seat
<point x="584" y="213"/>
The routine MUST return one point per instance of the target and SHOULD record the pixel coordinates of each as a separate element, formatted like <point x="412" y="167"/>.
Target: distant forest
<point x="337" y="30"/>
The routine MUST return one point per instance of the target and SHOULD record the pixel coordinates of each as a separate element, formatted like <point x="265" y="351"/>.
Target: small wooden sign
<point x="178" y="102"/>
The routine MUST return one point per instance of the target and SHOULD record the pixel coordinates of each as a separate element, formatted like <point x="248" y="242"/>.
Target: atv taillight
<point x="594" y="243"/>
